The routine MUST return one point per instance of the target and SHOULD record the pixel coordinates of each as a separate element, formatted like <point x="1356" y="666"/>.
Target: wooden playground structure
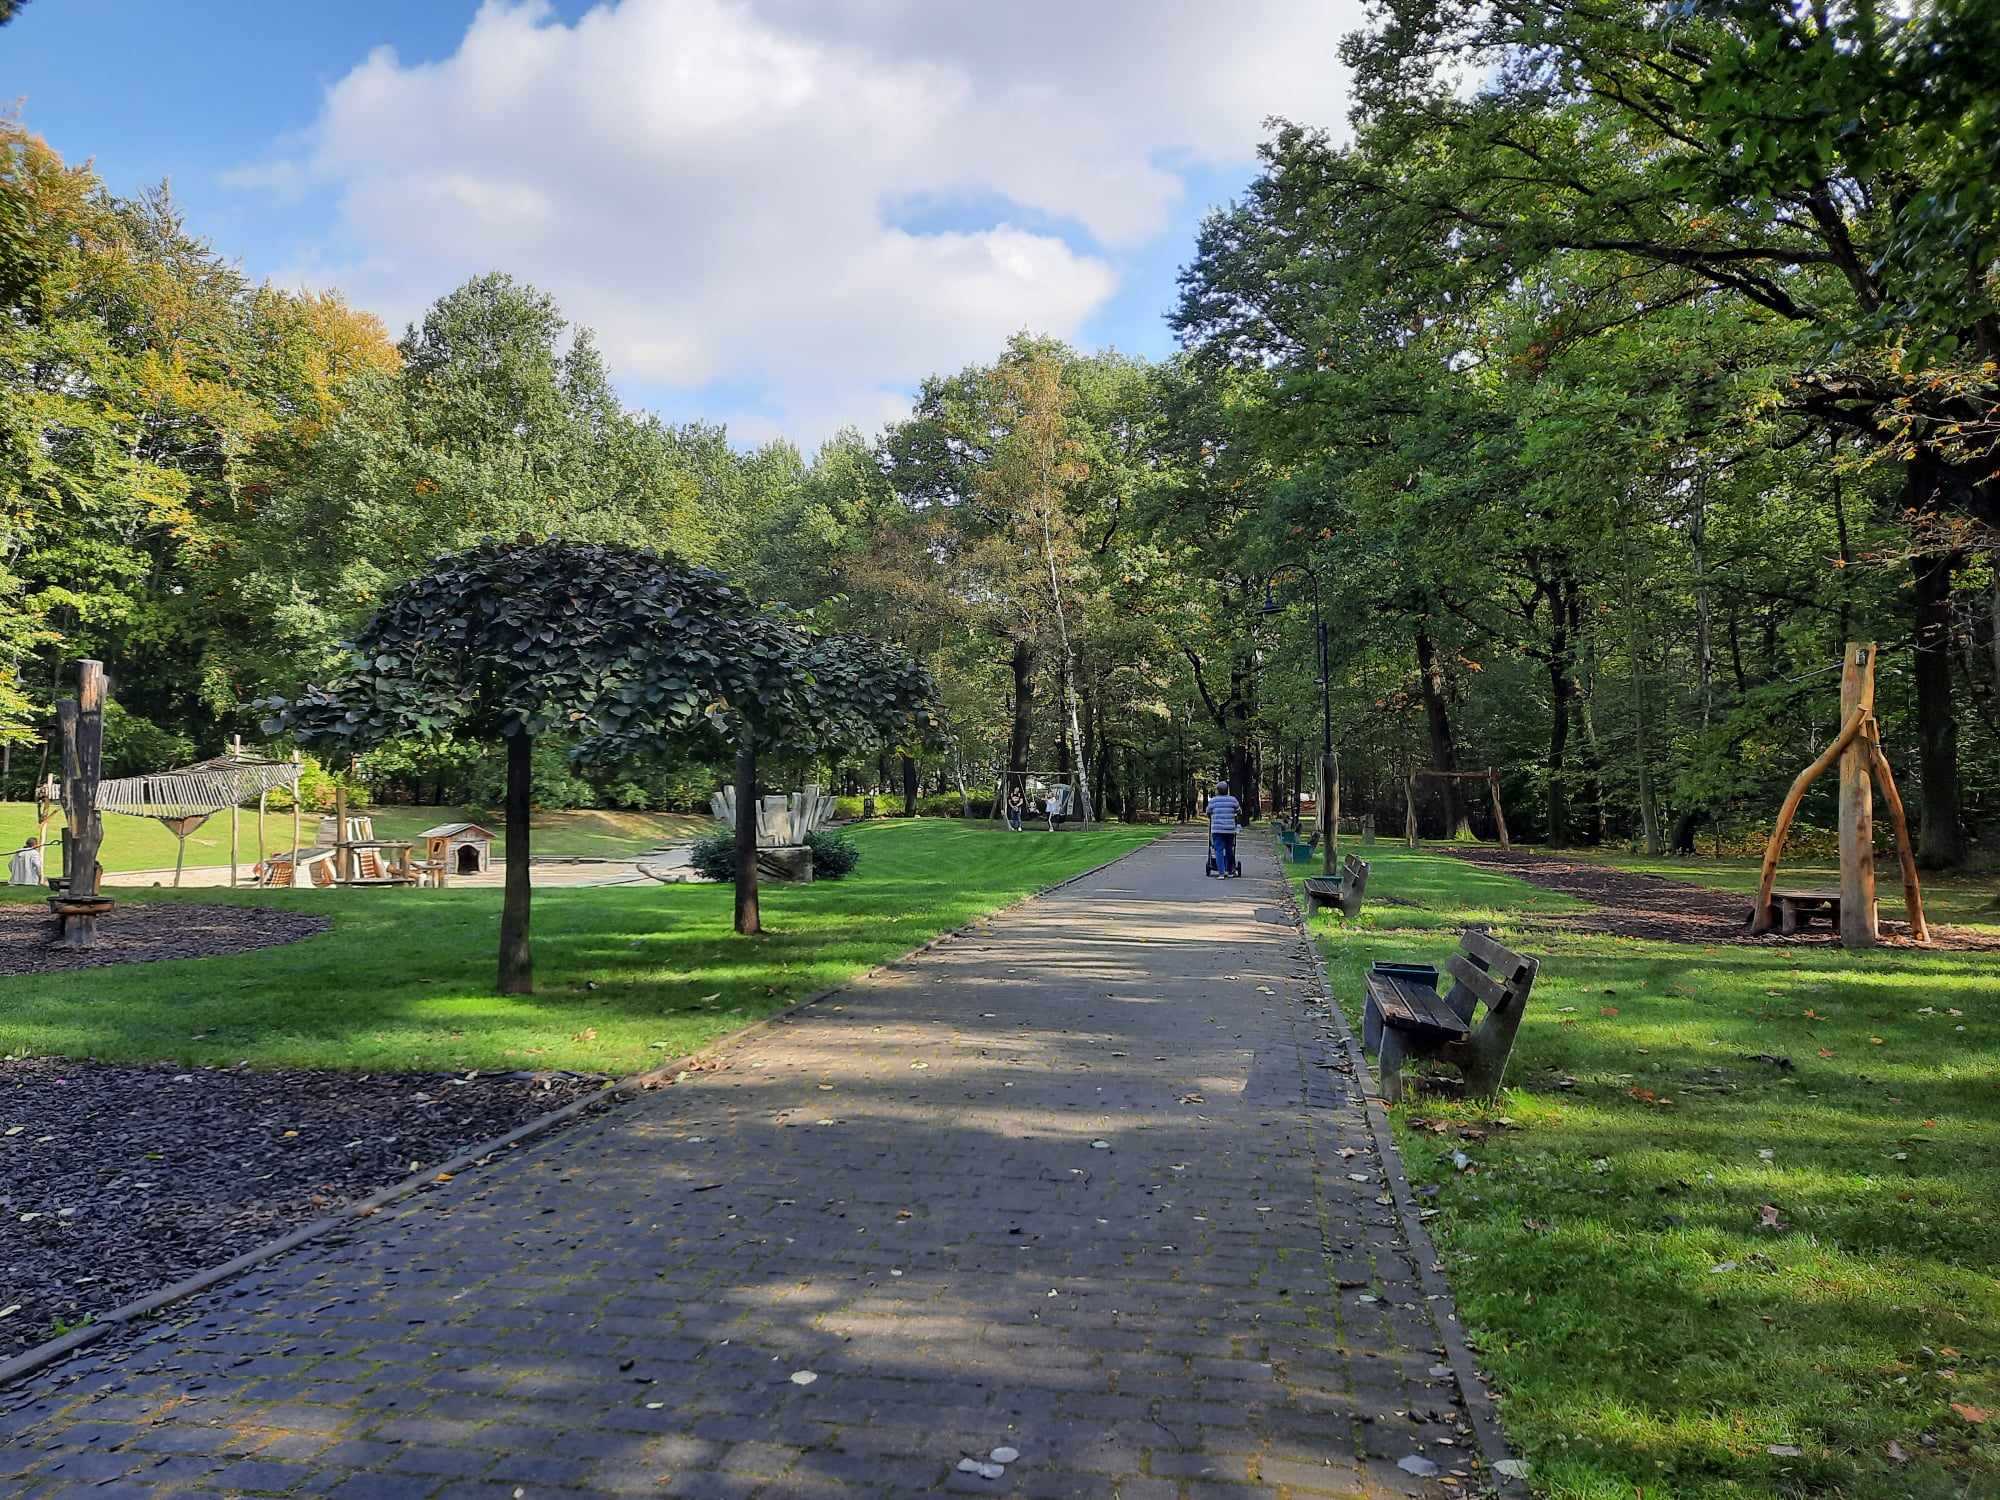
<point x="1858" y="749"/>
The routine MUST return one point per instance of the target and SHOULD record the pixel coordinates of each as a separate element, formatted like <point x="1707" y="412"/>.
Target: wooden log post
<point x="1857" y="803"/>
<point x="342" y="856"/>
<point x="235" y="817"/>
<point x="81" y="724"/>
<point x="1913" y="890"/>
<point x="1499" y="814"/>
<point x="1410" y="809"/>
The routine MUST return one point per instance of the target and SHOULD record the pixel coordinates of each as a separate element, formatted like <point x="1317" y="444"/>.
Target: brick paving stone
<point x="900" y="1192"/>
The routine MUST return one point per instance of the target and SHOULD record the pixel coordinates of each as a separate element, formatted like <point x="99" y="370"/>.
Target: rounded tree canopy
<point x="615" y="646"/>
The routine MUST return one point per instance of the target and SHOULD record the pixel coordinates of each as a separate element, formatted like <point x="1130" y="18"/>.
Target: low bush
<point x="834" y="855"/>
<point x="715" y="856"/>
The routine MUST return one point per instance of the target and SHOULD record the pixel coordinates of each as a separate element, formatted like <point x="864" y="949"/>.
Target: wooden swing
<point x="1489" y="776"/>
<point x="1858" y="748"/>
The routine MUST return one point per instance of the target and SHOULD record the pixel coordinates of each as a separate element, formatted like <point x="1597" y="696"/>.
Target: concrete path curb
<point x="1479" y="1403"/>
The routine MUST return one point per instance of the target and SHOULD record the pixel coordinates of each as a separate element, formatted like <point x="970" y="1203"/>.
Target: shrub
<point x="848" y="808"/>
<point x="834" y="855"/>
<point x="715" y="856"/>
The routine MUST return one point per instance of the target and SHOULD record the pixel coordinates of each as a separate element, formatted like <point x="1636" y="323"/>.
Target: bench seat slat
<point x="1411" y="1007"/>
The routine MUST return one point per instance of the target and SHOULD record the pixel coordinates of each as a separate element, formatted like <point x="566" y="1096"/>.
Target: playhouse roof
<point x="454" y="830"/>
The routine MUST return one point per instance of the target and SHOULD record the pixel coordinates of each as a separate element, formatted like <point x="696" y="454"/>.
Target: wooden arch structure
<point x="1858" y="748"/>
<point x="1490" y="776"/>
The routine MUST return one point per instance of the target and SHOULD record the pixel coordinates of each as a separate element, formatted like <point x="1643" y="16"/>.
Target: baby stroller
<point x="1235" y="870"/>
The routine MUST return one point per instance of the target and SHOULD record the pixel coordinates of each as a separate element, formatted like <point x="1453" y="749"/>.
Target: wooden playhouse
<point x="459" y="848"/>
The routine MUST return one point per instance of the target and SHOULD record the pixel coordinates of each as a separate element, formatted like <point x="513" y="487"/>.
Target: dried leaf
<point x="1976" y="1415"/>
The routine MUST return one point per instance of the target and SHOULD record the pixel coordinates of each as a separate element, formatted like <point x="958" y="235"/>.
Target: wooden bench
<point x="1406" y="1016"/>
<point x="1800" y="908"/>
<point x="1305" y="851"/>
<point x="1343" y="890"/>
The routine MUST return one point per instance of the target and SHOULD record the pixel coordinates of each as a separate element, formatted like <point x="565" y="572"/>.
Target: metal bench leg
<point x="1391" y="1069"/>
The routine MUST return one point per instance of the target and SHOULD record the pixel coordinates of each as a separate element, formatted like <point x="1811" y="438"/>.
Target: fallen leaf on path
<point x="1423" y="1468"/>
<point x="1768" y="1217"/>
<point x="1896" y="1453"/>
<point x="1976" y="1415"/>
<point x="1511" y="1468"/>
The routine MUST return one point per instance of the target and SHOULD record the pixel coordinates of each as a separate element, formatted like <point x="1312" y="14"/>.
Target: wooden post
<point x="1913" y="891"/>
<point x="1329" y="815"/>
<point x="1499" y="815"/>
<point x="341" y="856"/>
<point x="80" y="722"/>
<point x="1410" y="809"/>
<point x="1857" y="803"/>
<point x="235" y="817"/>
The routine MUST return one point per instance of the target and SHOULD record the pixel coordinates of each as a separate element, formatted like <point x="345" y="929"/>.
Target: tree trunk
<point x="1444" y="748"/>
<point x="1024" y="713"/>
<point x="749" y="920"/>
<point x="517" y="958"/>
<point x="1941" y="842"/>
<point x="909" y="787"/>
<point x="1562" y="688"/>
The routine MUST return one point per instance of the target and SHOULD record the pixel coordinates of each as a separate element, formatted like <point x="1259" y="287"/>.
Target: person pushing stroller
<point x="1224" y="817"/>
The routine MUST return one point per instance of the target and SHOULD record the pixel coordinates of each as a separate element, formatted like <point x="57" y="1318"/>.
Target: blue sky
<point x="776" y="213"/>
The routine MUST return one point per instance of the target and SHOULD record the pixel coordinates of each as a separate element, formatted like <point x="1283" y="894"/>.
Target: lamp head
<point x="1270" y="605"/>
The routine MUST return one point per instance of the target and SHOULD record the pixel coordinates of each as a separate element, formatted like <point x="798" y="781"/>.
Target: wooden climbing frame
<point x="1858" y="749"/>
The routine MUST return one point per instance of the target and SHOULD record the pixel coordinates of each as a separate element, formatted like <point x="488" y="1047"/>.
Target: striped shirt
<point x="1222" y="813"/>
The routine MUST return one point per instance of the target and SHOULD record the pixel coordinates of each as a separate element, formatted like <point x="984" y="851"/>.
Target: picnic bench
<point x="1343" y="890"/>
<point x="1801" y="908"/>
<point x="1405" y="1015"/>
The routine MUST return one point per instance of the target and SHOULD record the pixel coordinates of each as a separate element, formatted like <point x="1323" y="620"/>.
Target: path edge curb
<point x="1480" y="1406"/>
<point x="33" y="1360"/>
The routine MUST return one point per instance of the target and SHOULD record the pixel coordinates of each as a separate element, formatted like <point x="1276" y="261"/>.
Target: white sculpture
<point x="782" y="822"/>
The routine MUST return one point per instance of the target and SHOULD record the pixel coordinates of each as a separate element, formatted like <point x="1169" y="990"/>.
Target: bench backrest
<point x="1485" y="971"/>
<point x="1355" y="869"/>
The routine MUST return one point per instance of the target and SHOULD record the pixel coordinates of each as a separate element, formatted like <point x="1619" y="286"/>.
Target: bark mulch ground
<point x="117" y="1181"/>
<point x="1629" y="904"/>
<point x="141" y="931"/>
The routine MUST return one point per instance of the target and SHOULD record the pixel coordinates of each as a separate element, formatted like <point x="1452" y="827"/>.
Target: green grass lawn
<point x="628" y="977"/>
<point x="143" y="844"/>
<point x="1608" y="1241"/>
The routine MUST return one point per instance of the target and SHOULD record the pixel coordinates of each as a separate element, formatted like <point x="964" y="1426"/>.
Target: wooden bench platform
<point x="1343" y="890"/>
<point x="1797" y="909"/>
<point x="1404" y="1014"/>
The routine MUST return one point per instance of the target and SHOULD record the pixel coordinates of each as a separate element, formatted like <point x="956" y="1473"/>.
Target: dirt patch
<point x="137" y="932"/>
<point x="116" y="1181"/>
<point x="1629" y="904"/>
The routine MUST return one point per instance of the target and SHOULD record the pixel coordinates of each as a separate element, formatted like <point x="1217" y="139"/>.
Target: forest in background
<point x="1616" y="366"/>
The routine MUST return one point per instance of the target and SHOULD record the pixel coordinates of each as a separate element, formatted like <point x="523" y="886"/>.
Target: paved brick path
<point x="1082" y="1184"/>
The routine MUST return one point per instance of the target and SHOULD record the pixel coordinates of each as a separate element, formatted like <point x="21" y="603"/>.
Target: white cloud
<point x="708" y="183"/>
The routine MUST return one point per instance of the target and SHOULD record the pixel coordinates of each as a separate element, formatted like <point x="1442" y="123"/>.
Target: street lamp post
<point x="1326" y="771"/>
